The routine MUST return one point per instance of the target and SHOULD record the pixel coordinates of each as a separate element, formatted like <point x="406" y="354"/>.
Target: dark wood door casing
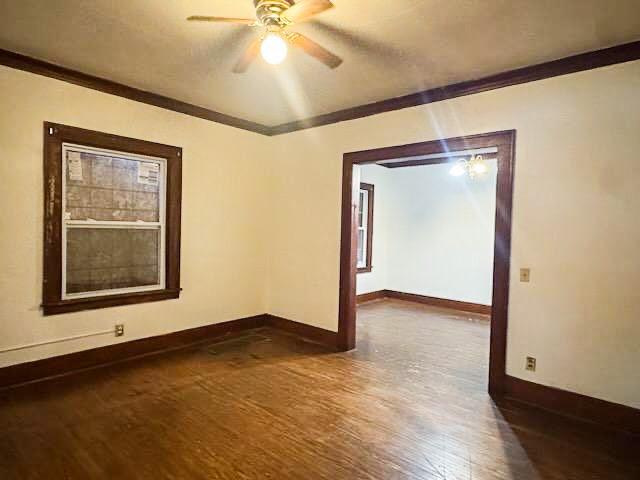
<point x="504" y="141"/>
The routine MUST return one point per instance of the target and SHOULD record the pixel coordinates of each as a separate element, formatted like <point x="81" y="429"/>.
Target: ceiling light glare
<point x="458" y="169"/>
<point x="273" y="49"/>
<point x="479" y="168"/>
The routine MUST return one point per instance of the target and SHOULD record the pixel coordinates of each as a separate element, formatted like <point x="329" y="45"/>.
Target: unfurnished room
<point x="320" y="239"/>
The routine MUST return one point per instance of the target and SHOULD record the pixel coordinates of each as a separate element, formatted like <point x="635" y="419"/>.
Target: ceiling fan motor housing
<point x="268" y="11"/>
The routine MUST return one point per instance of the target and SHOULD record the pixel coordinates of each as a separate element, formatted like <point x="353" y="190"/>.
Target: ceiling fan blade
<point x="305" y="9"/>
<point x="248" y="56"/>
<point x="375" y="49"/>
<point x="312" y="48"/>
<point x="201" y="18"/>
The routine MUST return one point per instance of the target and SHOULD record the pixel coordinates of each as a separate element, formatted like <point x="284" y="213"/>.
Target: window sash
<point x="362" y="248"/>
<point x="106" y="224"/>
<point x="363" y="219"/>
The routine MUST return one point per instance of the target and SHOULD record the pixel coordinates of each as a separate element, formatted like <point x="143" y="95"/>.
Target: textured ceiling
<point x="390" y="47"/>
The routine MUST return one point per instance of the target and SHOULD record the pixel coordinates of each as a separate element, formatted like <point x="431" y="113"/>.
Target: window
<point x="112" y="220"/>
<point x="365" y="227"/>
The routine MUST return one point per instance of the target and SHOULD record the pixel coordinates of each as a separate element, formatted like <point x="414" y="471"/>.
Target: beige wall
<point x="261" y="218"/>
<point x="223" y="269"/>
<point x="575" y="220"/>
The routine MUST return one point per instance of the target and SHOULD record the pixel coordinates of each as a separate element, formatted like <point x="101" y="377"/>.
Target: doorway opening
<point x="459" y="153"/>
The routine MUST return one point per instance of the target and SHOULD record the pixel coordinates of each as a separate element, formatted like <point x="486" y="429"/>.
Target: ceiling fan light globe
<point x="273" y="49"/>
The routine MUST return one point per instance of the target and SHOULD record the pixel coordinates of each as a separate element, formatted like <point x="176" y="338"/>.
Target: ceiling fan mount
<point x="275" y="16"/>
<point x="269" y="12"/>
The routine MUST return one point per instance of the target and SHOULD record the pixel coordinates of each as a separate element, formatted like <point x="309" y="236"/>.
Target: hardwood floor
<point x="409" y="403"/>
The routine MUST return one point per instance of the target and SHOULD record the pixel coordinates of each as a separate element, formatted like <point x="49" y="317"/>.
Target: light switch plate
<point x="525" y="275"/>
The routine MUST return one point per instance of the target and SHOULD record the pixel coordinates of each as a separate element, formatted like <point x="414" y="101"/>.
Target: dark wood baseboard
<point x="601" y="412"/>
<point x="441" y="302"/>
<point x="433" y="301"/>
<point x="96" y="357"/>
<point x="370" y="296"/>
<point x="316" y="334"/>
<point x="606" y="414"/>
<point x="64" y="364"/>
<point x="610" y="415"/>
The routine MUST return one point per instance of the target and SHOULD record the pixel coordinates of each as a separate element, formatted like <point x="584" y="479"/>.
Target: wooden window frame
<point x="55" y="135"/>
<point x="370" y="194"/>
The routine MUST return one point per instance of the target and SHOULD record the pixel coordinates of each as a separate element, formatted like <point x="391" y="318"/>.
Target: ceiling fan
<point x="275" y="16"/>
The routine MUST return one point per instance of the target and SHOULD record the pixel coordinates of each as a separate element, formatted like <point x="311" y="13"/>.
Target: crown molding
<point x="40" y="67"/>
<point x="577" y="63"/>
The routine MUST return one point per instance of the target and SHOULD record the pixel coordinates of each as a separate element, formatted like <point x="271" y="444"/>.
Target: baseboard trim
<point x="607" y="414"/>
<point x="97" y="357"/>
<point x="370" y="296"/>
<point x="315" y="334"/>
<point x="426" y="300"/>
<point x="613" y="416"/>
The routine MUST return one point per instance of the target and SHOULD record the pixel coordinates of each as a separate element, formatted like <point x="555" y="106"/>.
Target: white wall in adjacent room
<point x="436" y="234"/>
<point x="376" y="279"/>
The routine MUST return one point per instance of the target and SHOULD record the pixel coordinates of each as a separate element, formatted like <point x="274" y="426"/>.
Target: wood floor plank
<point x="409" y="403"/>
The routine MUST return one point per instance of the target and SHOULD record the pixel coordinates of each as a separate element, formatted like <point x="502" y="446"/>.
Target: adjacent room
<point x="425" y="245"/>
<point x="319" y="239"/>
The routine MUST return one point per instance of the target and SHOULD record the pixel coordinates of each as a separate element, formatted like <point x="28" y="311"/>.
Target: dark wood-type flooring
<point x="409" y="403"/>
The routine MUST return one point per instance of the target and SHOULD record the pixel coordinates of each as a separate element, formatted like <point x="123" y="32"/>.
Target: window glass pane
<point x="111" y="258"/>
<point x="361" y="244"/>
<point x="361" y="208"/>
<point x="108" y="188"/>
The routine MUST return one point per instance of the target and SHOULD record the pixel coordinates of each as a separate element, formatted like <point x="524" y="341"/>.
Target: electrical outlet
<point x="525" y="275"/>
<point x="531" y="364"/>
<point x="119" y="330"/>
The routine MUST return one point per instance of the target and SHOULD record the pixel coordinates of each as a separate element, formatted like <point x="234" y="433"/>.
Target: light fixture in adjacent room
<point x="458" y="168"/>
<point x="477" y="166"/>
<point x="273" y="49"/>
<point x="473" y="167"/>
